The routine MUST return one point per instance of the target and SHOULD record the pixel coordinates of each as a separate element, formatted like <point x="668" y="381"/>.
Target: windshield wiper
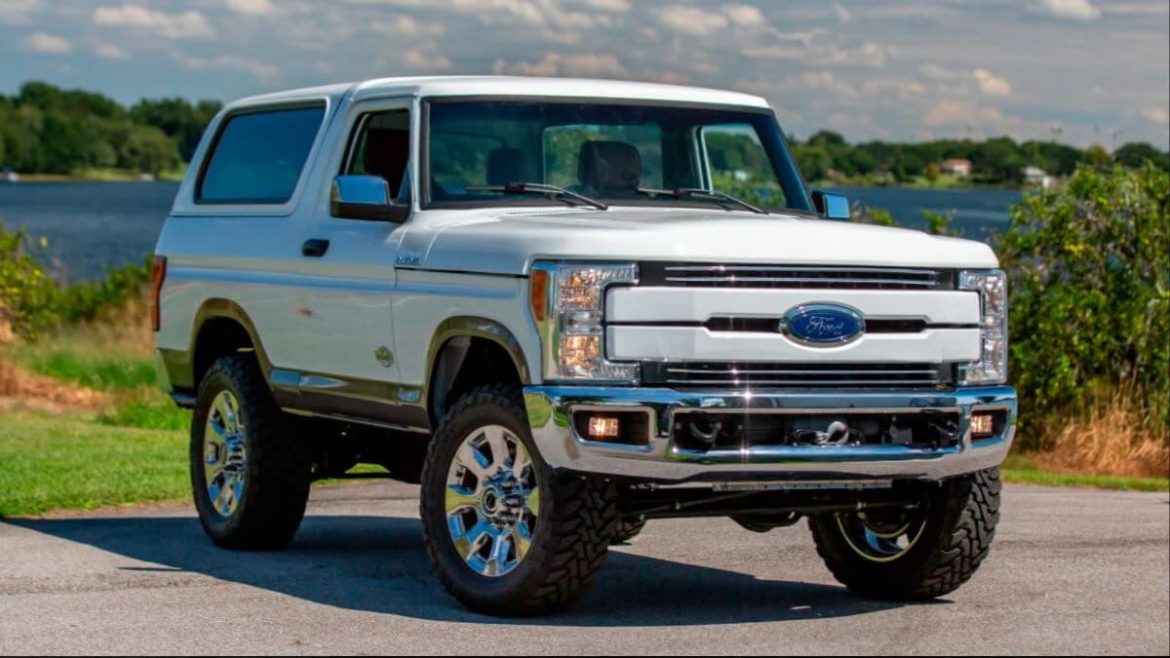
<point x="538" y="188"/>
<point x="713" y="195"/>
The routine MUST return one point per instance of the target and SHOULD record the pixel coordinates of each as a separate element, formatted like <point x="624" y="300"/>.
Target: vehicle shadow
<point x="377" y="564"/>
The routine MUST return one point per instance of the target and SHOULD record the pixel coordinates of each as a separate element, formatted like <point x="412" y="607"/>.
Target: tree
<point x="813" y="161"/>
<point x="932" y="173"/>
<point x="1135" y="154"/>
<point x="1096" y="156"/>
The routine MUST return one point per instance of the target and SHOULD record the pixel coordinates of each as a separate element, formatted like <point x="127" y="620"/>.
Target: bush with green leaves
<point x="31" y="300"/>
<point x="27" y="293"/>
<point x="1089" y="271"/>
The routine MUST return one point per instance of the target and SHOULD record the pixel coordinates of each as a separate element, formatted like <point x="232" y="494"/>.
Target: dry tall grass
<point x="1112" y="438"/>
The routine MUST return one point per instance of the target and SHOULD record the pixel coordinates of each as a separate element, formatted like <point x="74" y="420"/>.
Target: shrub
<point x="27" y="293"/>
<point x="31" y="300"/>
<point x="1089" y="273"/>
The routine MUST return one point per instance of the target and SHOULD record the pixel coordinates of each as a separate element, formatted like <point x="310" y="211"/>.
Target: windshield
<point x="617" y="154"/>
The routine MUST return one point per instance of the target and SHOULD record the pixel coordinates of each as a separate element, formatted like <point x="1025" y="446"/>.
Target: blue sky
<point x="1089" y="71"/>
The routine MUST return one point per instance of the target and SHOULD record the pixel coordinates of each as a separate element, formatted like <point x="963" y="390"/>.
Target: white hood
<point x="507" y="241"/>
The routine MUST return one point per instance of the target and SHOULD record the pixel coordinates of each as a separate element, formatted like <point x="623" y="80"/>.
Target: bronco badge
<point x="822" y="325"/>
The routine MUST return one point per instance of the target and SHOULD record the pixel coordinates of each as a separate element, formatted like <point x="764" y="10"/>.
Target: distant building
<point x="960" y="167"/>
<point x="1037" y="176"/>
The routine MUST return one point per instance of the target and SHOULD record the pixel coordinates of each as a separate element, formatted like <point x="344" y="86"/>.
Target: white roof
<point x="515" y="86"/>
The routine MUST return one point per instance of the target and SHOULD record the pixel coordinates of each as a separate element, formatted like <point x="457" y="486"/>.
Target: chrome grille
<point x="779" y="375"/>
<point x="793" y="276"/>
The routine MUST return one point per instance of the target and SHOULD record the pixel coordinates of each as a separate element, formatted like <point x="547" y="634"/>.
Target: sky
<point x="1080" y="71"/>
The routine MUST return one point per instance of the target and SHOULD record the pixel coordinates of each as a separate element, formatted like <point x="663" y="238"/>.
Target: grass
<point x="70" y="462"/>
<point x="1024" y="469"/>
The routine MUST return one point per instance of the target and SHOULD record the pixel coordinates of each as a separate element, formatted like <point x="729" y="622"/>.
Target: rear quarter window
<point x="258" y="157"/>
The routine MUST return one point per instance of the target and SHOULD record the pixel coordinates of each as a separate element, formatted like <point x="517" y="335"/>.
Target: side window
<point x="563" y="147"/>
<point x="382" y="148"/>
<point x="258" y="156"/>
<point x="739" y="164"/>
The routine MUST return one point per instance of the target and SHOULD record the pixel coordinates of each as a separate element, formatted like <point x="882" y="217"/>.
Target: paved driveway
<point x="1071" y="572"/>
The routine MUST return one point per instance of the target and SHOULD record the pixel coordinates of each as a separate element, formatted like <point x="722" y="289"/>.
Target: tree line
<point x="996" y="161"/>
<point x="46" y="129"/>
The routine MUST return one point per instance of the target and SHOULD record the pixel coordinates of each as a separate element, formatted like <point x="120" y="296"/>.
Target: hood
<point x="508" y="241"/>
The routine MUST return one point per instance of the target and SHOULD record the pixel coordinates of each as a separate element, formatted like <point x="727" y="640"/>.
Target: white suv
<point x="566" y="307"/>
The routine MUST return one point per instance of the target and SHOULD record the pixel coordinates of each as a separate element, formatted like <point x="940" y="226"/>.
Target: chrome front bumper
<point x="550" y="410"/>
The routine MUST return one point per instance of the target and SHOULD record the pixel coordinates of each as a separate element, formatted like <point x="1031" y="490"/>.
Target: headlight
<point x="568" y="303"/>
<point x="991" y="368"/>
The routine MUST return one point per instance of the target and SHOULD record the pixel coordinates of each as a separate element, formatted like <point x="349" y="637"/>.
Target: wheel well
<point x="464" y="363"/>
<point x="218" y="337"/>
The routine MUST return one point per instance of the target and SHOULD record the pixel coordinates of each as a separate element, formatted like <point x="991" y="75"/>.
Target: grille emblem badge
<point x="822" y="325"/>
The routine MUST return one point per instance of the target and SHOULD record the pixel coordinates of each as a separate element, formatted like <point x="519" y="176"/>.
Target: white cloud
<point x="992" y="85"/>
<point x="110" y="51"/>
<point x="19" y="12"/>
<point x="263" y="71"/>
<point x="574" y="65"/>
<point x="608" y="5"/>
<point x="186" y="25"/>
<point x="690" y="20"/>
<point x="843" y="14"/>
<point x="416" y="60"/>
<point x="252" y="7"/>
<point x="935" y="72"/>
<point x="1156" y="114"/>
<point x="405" y="25"/>
<point x="1081" y="10"/>
<point x="46" y="44"/>
<point x="951" y="112"/>
<point x="745" y="15"/>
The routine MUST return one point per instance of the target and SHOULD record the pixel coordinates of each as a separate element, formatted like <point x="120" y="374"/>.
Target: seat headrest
<point x="609" y="166"/>
<point x="387" y="151"/>
<point x="505" y="165"/>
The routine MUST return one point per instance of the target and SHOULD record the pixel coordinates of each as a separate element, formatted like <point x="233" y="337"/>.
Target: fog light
<point x="603" y="427"/>
<point x="982" y="424"/>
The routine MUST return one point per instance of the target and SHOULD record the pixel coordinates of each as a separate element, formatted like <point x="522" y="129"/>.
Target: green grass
<point x="70" y="462"/>
<point x="1023" y="470"/>
<point x="148" y="410"/>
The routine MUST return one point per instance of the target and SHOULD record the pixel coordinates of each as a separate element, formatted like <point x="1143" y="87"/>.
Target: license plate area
<point x="703" y="431"/>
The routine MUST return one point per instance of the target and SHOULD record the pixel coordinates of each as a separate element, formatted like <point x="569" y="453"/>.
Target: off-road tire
<point x="627" y="528"/>
<point x="277" y="474"/>
<point x="577" y="519"/>
<point x="960" y="526"/>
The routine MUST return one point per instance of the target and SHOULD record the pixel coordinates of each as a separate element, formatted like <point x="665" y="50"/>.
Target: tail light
<point x="158" y="274"/>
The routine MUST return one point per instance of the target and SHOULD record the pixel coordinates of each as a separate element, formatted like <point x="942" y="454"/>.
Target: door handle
<point x="314" y="248"/>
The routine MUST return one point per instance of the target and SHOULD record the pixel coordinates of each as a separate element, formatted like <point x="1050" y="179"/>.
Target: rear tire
<point x="249" y="473"/>
<point x="498" y="548"/>
<point x="947" y="542"/>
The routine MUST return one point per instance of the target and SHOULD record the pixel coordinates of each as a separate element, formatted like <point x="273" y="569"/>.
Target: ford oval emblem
<point x="822" y="325"/>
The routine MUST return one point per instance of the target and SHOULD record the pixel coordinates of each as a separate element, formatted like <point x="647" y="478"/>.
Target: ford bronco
<point x="565" y="308"/>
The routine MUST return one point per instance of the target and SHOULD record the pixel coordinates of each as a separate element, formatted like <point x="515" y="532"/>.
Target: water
<point x="90" y="227"/>
<point x="94" y="226"/>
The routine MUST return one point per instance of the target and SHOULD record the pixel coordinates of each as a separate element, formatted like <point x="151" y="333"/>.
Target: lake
<point x="94" y="226"/>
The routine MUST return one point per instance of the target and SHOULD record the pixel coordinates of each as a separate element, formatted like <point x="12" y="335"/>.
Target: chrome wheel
<point x="492" y="500"/>
<point x="224" y="456"/>
<point x="882" y="536"/>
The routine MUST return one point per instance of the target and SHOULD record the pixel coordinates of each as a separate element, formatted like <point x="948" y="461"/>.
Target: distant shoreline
<point x="97" y="176"/>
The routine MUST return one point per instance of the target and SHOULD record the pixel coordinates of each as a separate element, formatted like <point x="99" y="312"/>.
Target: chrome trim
<point x="550" y="411"/>
<point x="774" y="276"/>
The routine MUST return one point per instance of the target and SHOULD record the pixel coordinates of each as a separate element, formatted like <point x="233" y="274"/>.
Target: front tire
<point x="504" y="534"/>
<point x="249" y="474"/>
<point x="919" y="555"/>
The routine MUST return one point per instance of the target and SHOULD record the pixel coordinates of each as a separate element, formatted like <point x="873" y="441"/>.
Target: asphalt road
<point x="1070" y="572"/>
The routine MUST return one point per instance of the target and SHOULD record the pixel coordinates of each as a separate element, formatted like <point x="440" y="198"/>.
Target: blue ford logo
<point x="822" y="325"/>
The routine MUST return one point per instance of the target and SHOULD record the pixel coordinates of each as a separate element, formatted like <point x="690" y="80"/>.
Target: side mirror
<point x="365" y="197"/>
<point x="831" y="205"/>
